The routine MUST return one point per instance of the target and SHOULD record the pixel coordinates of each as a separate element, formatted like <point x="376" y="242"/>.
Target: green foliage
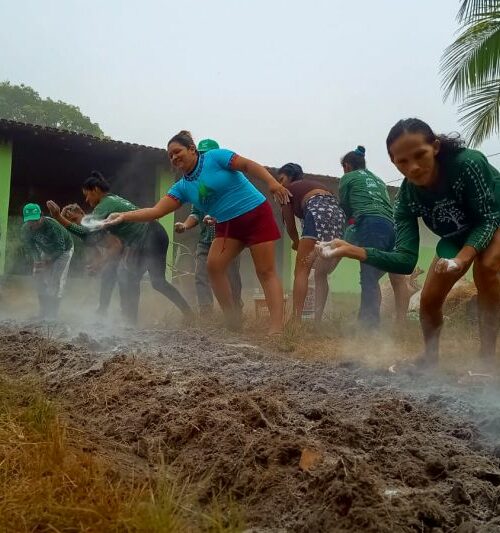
<point x="471" y="69"/>
<point x="24" y="104"/>
<point x="481" y="112"/>
<point x="469" y="9"/>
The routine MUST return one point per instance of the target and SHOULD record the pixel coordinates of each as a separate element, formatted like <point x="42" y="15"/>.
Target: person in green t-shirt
<point x="51" y="248"/>
<point x="456" y="192"/>
<point x="366" y="203"/>
<point x="103" y="252"/>
<point x="197" y="217"/>
<point x="144" y="246"/>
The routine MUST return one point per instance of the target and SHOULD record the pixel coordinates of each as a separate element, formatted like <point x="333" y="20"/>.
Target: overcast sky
<point x="275" y="80"/>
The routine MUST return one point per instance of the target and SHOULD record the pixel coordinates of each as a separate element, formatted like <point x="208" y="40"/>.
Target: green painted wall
<point x="5" y="175"/>
<point x="164" y="180"/>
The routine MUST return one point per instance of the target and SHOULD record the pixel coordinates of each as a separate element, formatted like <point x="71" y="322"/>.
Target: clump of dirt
<point x="234" y="418"/>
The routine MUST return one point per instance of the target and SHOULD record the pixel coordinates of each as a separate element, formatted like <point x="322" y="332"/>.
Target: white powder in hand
<point x="92" y="223"/>
<point x="326" y="249"/>
<point x="209" y="221"/>
<point x="327" y="252"/>
<point x="451" y="265"/>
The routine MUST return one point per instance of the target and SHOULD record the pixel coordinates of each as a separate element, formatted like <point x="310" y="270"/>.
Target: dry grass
<point x="340" y="338"/>
<point x="50" y="480"/>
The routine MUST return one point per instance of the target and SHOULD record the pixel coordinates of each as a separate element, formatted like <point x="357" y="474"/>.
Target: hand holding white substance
<point x="443" y="266"/>
<point x="209" y="221"/>
<point x="326" y="249"/>
<point x="92" y="223"/>
<point x="113" y="219"/>
<point x="339" y="248"/>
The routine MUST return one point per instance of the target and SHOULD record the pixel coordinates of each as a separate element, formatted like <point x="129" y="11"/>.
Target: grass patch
<point x="52" y="479"/>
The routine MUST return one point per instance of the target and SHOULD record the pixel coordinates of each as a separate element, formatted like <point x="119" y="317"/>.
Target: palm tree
<point x="471" y="69"/>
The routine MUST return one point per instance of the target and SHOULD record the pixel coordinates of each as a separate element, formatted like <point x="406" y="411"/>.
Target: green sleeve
<point x="479" y="179"/>
<point x="344" y="195"/>
<point x="90" y="238"/>
<point x="30" y="245"/>
<point x="58" y="232"/>
<point x="78" y="230"/>
<point x="404" y="257"/>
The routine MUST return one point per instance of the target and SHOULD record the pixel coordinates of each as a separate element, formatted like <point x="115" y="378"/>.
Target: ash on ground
<point x="300" y="446"/>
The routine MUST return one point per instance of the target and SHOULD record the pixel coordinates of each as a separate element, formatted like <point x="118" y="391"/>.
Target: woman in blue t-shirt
<point x="214" y="183"/>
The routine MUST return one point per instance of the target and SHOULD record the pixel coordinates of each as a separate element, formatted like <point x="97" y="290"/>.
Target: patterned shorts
<point x="324" y="219"/>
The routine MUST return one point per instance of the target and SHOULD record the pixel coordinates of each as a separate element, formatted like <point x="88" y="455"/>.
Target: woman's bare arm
<point x="163" y="207"/>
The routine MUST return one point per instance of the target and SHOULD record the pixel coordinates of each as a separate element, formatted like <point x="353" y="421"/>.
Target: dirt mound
<point x="300" y="446"/>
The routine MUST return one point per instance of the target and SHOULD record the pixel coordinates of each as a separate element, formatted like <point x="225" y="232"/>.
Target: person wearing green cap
<point x="207" y="144"/>
<point x="456" y="192"/>
<point x="51" y="248"/>
<point x="197" y="217"/>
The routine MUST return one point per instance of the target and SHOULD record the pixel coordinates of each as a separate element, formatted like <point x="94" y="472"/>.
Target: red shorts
<point x="255" y="227"/>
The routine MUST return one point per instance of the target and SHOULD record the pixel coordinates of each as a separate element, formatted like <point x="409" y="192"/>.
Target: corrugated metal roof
<point x="25" y="130"/>
<point x="32" y="131"/>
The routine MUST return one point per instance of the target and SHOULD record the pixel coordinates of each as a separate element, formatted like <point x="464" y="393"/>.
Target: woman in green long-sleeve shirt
<point x="456" y="192"/>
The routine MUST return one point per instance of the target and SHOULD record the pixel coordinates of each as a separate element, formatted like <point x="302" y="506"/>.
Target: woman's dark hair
<point x="96" y="181"/>
<point x="184" y="138"/>
<point x="356" y="158"/>
<point x="450" y="144"/>
<point x="293" y="171"/>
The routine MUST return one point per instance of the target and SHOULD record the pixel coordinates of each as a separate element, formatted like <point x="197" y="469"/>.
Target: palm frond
<point x="473" y="59"/>
<point x="473" y="9"/>
<point x="481" y="113"/>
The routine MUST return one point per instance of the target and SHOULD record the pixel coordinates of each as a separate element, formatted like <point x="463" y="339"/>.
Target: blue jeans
<point x="372" y="232"/>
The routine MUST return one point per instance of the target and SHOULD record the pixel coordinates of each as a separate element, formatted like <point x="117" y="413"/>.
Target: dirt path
<point x="301" y="446"/>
